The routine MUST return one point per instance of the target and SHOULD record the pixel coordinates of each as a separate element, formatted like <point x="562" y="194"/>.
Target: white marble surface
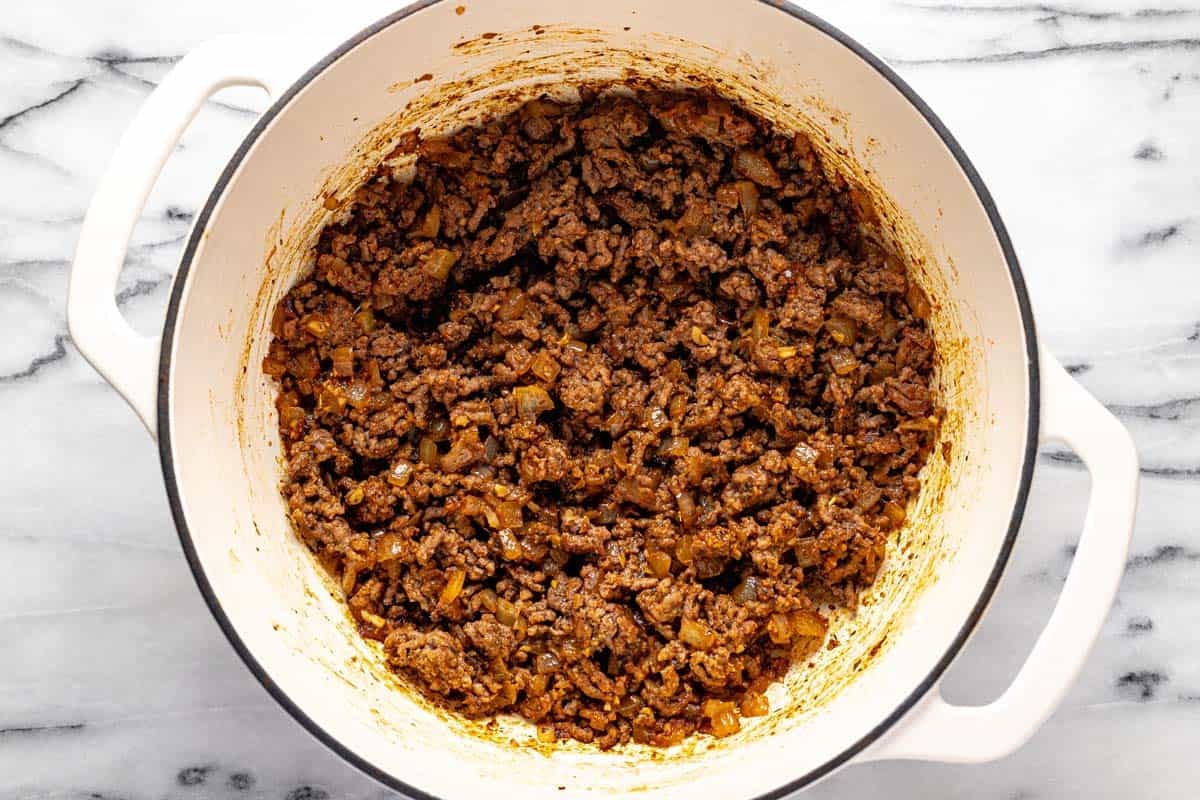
<point x="116" y="683"/>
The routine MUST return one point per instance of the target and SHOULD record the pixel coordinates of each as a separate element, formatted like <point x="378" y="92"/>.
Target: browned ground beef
<point x="595" y="415"/>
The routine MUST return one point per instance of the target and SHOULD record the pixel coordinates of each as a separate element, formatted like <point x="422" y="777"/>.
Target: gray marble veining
<point x="116" y="683"/>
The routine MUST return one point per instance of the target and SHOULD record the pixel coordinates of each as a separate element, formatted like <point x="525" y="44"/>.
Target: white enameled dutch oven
<point x="438" y="65"/>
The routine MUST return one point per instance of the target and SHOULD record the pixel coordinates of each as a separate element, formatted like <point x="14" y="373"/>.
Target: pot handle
<point x="938" y="731"/>
<point x="125" y="358"/>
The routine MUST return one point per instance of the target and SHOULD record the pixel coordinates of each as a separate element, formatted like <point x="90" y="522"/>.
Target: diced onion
<point x="331" y="399"/>
<point x="506" y="612"/>
<point x="844" y="331"/>
<point x="438" y="263"/>
<point x="453" y="587"/>
<point x="804" y="453"/>
<point x="779" y="628"/>
<point x="674" y="446"/>
<point x="807" y="623"/>
<point x="842" y="361"/>
<point x="343" y="361"/>
<point x="747" y="198"/>
<point x="895" y="513"/>
<point x="918" y="303"/>
<point x="427" y="452"/>
<point x="400" y="473"/>
<point x="755" y="705"/>
<point x="357" y="394"/>
<point x="545" y="367"/>
<point x="273" y="367"/>
<point x="755" y="166"/>
<point x="487" y="599"/>
<point x="439" y="429"/>
<point x="512" y="306"/>
<point x="760" y="325"/>
<point x="807" y="552"/>
<point x="659" y="563"/>
<point x="317" y="325"/>
<point x="687" y="509"/>
<point x="683" y="550"/>
<point x="696" y="634"/>
<point x="430" y="225"/>
<point x="366" y="320"/>
<point x="532" y="400"/>
<point x="510" y="548"/>
<point x="722" y="716"/>
<point x="388" y="547"/>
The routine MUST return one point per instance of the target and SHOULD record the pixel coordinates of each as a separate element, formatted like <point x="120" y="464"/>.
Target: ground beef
<point x="594" y="416"/>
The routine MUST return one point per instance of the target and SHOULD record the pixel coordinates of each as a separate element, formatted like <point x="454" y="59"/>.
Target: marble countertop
<point x="116" y="683"/>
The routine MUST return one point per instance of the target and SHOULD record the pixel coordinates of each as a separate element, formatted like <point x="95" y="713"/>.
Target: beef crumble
<point x="595" y="414"/>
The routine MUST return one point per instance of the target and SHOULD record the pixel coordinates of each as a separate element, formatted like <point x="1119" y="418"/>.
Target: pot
<point x="200" y="387"/>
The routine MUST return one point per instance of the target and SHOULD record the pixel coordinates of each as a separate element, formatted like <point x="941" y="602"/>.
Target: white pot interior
<point x="329" y="136"/>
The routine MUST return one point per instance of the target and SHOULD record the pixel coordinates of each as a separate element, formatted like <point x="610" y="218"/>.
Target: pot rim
<point x="393" y="782"/>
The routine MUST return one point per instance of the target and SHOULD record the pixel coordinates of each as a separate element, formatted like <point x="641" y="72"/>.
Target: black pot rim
<point x="391" y="781"/>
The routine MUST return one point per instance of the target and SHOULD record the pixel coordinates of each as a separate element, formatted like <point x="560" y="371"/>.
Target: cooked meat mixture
<point x="595" y="411"/>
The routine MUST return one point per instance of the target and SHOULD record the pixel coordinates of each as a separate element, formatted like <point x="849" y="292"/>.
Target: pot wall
<point x="334" y="131"/>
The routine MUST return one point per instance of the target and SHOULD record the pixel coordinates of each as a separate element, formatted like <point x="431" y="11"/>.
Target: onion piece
<point x="683" y="550"/>
<point x="755" y="166"/>
<point x="357" y="394"/>
<point x="755" y="705"/>
<point x="388" y="547"/>
<point x="917" y="301"/>
<point x="317" y="325"/>
<point x="779" y="628"/>
<point x="807" y="623"/>
<point x="531" y="401"/>
<point x="427" y="452"/>
<point x="506" y="612"/>
<point x="400" y="474"/>
<point x="273" y="367"/>
<point x="842" y="361"/>
<point x="513" y="305"/>
<point x="510" y="548"/>
<point x="453" y="587"/>
<point x="487" y="599"/>
<point x="331" y="399"/>
<point x="696" y="634"/>
<point x="674" y="446"/>
<point x="438" y="262"/>
<point x="844" y="331"/>
<point x="659" y="563"/>
<point x="545" y="366"/>
<point x="687" y="509"/>
<point x="430" y="225"/>
<point x="343" y="361"/>
<point x="747" y="194"/>
<point x="722" y="716"/>
<point x="808" y="554"/>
